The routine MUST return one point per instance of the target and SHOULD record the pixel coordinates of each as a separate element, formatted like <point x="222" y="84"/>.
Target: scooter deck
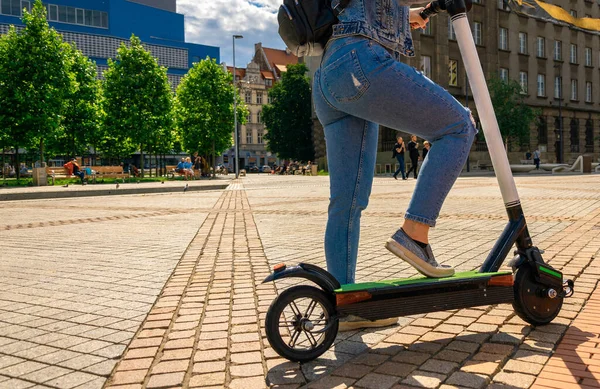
<point x="410" y="296"/>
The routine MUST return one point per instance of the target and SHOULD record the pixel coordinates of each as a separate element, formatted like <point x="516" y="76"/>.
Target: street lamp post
<point x="235" y="126"/>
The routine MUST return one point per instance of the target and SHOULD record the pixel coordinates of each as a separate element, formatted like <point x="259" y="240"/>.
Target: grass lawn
<point x="24" y="182"/>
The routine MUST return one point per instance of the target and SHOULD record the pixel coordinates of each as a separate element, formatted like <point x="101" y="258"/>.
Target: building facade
<point x="253" y="83"/>
<point x="556" y="64"/>
<point x="99" y="27"/>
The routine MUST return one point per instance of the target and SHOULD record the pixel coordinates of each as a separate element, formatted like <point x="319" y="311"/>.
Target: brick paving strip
<point x="204" y="330"/>
<point x="576" y="363"/>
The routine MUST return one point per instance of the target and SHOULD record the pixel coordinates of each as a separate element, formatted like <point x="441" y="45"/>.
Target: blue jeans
<point x="401" y="167"/>
<point x="359" y="86"/>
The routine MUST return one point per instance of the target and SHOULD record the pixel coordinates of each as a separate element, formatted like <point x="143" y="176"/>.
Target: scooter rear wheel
<point x="301" y="323"/>
<point x="532" y="303"/>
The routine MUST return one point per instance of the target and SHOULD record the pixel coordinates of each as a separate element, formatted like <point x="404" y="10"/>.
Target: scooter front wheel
<point x="532" y="301"/>
<point x="301" y="323"/>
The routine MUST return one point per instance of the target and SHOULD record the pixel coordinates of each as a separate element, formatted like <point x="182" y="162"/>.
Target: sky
<point x="213" y="22"/>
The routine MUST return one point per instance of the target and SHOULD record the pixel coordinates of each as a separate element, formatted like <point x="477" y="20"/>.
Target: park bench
<point x="108" y="172"/>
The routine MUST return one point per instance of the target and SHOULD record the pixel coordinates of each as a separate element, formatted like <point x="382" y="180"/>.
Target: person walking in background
<point x="426" y="147"/>
<point x="398" y="153"/>
<point x="413" y="153"/>
<point x="536" y="158"/>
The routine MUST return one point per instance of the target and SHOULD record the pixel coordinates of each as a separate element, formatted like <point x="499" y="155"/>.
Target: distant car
<point x="265" y="169"/>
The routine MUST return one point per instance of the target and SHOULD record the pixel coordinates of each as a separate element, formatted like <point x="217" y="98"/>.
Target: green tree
<point x="81" y="121"/>
<point x="138" y="101"/>
<point x="34" y="80"/>
<point x="288" y="117"/>
<point x="204" y="109"/>
<point x="514" y="116"/>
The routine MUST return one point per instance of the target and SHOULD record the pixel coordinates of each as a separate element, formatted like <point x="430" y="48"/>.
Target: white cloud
<point x="213" y="22"/>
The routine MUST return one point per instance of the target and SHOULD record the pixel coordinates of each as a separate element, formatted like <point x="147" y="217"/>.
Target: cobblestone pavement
<point x="164" y="291"/>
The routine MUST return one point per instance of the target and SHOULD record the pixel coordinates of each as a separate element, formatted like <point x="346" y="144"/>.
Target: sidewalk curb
<point x="105" y="192"/>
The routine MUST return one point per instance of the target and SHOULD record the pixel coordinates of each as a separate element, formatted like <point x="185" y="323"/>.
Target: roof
<point x="267" y="75"/>
<point x="279" y="59"/>
<point x="240" y="72"/>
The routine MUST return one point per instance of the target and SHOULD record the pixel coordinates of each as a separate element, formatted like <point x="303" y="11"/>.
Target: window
<point x="503" y="39"/>
<point x="26" y="4"/>
<point x="589" y="136"/>
<point x="428" y="30"/>
<point x="62" y="13"/>
<point x="573" y="57"/>
<point x="258" y="118"/>
<point x="523" y="43"/>
<point x="79" y="14"/>
<point x="573" y="89"/>
<point x="53" y="12"/>
<point x="573" y="13"/>
<point x="259" y="137"/>
<point x="588" y="92"/>
<point x="248" y="136"/>
<point x="248" y="97"/>
<point x="541" y="47"/>
<point x="453" y="72"/>
<point x="523" y="82"/>
<point x="503" y="5"/>
<point x="557" y="87"/>
<point x="88" y="17"/>
<point x="558" y="50"/>
<point x="574" y="136"/>
<point x="10" y="7"/>
<point x="426" y="66"/>
<point x="451" y="32"/>
<point x="541" y="85"/>
<point x="504" y="74"/>
<point x="542" y="128"/>
<point x="249" y="117"/>
<point x="259" y="98"/>
<point x="477" y="33"/>
<point x="269" y="99"/>
<point x="588" y="56"/>
<point x="268" y="82"/>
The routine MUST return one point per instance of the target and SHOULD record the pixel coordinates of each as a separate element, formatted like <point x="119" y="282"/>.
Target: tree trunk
<point x="17" y="163"/>
<point x="142" y="159"/>
<point x="214" y="167"/>
<point x="41" y="152"/>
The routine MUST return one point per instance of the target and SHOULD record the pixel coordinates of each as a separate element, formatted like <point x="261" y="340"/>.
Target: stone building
<point x="253" y="84"/>
<point x="554" y="62"/>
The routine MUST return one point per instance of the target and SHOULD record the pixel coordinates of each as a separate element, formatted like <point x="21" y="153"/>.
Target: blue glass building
<point x="98" y="27"/>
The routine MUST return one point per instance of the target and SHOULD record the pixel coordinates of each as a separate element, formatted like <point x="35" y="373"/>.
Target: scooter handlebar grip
<point x="432" y="10"/>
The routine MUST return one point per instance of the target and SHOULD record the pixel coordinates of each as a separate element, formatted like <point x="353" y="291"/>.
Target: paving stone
<point x="209" y="367"/>
<point x="452" y="356"/>
<point x="207" y="379"/>
<point x="354" y="371"/>
<point x="424" y="379"/>
<point x="395" y="369"/>
<point x="332" y="382"/>
<point x="516" y="380"/>
<point x="411" y="357"/>
<point x="377" y="381"/>
<point x="249" y="370"/>
<point x="166" y="380"/>
<point x="523" y="367"/>
<point x="481" y="367"/>
<point x="251" y="357"/>
<point x="438" y="366"/>
<point x="469" y="380"/>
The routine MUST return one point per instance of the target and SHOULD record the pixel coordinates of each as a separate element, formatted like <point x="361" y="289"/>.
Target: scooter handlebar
<point x="431" y="10"/>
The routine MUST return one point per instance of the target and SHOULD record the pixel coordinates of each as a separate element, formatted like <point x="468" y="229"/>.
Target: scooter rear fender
<point x="310" y="272"/>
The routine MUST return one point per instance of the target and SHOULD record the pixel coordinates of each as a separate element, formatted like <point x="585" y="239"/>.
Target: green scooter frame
<point x="302" y="322"/>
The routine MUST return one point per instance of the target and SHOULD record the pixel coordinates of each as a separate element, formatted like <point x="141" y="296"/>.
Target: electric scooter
<point x="302" y="322"/>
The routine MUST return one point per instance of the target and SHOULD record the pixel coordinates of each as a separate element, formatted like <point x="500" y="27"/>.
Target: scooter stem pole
<point x="485" y="110"/>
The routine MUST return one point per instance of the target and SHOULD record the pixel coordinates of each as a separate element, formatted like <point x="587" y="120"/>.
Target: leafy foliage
<point x="514" y="116"/>
<point x="288" y="117"/>
<point x="81" y="120"/>
<point x="34" y="81"/>
<point x="138" y="102"/>
<point x="204" y="108"/>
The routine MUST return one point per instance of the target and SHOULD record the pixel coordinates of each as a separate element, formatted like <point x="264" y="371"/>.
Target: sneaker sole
<point x="355" y="325"/>
<point x="423" y="267"/>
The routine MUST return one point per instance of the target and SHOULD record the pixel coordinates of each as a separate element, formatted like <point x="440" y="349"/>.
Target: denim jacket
<point x="385" y="21"/>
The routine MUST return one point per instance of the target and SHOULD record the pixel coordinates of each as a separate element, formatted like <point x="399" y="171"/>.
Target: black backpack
<point x="306" y="25"/>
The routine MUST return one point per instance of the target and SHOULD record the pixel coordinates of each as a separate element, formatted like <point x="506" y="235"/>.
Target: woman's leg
<point x="351" y="154"/>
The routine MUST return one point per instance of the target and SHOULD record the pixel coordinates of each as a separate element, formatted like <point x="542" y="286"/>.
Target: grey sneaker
<point x="420" y="258"/>
<point x="352" y="322"/>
